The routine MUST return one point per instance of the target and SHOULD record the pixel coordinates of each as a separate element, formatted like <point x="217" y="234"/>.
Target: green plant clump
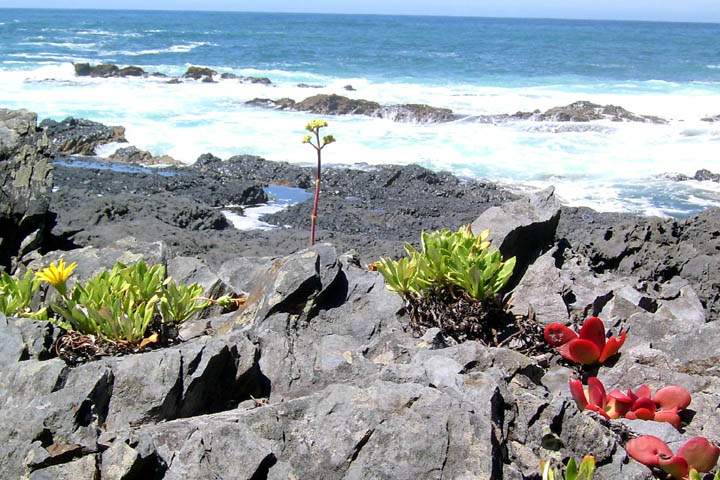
<point x="459" y="261"/>
<point x="16" y="295"/>
<point x="585" y="471"/>
<point x="120" y="304"/>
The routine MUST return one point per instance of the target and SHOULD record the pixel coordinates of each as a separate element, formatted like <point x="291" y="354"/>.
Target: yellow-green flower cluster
<point x="315" y="125"/>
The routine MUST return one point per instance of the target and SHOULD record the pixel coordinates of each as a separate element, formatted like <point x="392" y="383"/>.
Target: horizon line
<point x="165" y="10"/>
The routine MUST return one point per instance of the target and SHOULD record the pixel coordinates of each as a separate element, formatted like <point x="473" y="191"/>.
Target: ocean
<point x="475" y="66"/>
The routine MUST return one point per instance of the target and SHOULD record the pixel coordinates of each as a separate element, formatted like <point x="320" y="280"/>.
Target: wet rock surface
<point x="339" y="105"/>
<point x="374" y="211"/>
<point x="141" y="157"/>
<point x="79" y="136"/>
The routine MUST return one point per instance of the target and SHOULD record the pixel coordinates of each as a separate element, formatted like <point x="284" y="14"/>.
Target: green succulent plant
<point x="585" y="471"/>
<point x="16" y="295"/>
<point x="460" y="260"/>
<point x="120" y="304"/>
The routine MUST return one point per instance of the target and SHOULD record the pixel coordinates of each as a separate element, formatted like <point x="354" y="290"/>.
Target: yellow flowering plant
<point x="57" y="275"/>
<point x="318" y="144"/>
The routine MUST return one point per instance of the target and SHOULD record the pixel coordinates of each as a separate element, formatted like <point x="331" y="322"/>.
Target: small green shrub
<point x="449" y="260"/>
<point x="16" y="295"/>
<point x="585" y="471"/>
<point x="122" y="303"/>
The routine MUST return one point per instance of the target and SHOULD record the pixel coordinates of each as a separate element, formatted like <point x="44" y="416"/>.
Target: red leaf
<point x="593" y="329"/>
<point x="580" y="351"/>
<point x="596" y="392"/>
<point x="669" y="416"/>
<point x="612" y="347"/>
<point x="557" y="334"/>
<point x="700" y="454"/>
<point x="578" y="393"/>
<point x="676" y="466"/>
<point x="647" y="450"/>
<point x="643" y="391"/>
<point x="672" y="397"/>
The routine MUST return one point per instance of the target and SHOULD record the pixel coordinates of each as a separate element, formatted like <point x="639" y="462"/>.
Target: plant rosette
<point x="588" y="347"/>
<point x="694" y="457"/>
<point x="664" y="406"/>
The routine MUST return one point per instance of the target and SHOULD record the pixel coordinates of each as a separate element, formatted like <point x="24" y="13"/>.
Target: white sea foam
<point x="250" y="220"/>
<point x="183" y="48"/>
<point x="105" y="33"/>
<point x="611" y="166"/>
<point x="68" y="45"/>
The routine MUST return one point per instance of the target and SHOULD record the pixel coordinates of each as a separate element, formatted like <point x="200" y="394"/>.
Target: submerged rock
<point x="79" y="136"/>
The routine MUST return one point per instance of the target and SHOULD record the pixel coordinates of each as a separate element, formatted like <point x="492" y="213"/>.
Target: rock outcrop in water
<point x="702" y="175"/>
<point x="715" y="118"/>
<point x="198" y="73"/>
<point x="141" y="157"/>
<point x="107" y="70"/>
<point x="578" y="112"/>
<point x="25" y="184"/>
<point x="339" y="105"/>
<point x="77" y="136"/>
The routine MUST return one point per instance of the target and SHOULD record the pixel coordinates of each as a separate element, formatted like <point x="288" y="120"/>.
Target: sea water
<point x="475" y="66"/>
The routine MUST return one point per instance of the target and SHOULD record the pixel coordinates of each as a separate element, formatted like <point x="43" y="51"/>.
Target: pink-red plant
<point x="696" y="455"/>
<point x="587" y="348"/>
<point x="664" y="406"/>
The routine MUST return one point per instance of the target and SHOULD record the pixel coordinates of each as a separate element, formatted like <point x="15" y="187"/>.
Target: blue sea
<point x="475" y="66"/>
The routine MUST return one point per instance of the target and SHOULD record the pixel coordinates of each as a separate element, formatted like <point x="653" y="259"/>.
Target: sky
<point x="653" y="10"/>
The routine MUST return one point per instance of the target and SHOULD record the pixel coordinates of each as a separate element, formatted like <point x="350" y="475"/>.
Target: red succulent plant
<point x="588" y="347"/>
<point x="697" y="454"/>
<point x="664" y="406"/>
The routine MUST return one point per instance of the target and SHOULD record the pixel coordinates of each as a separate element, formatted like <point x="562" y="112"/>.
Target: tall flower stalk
<point x="314" y="141"/>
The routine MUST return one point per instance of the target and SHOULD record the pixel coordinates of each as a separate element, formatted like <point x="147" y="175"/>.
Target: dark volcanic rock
<point x="103" y="70"/>
<point x="25" y="184"/>
<point x="80" y="136"/>
<point x="317" y="376"/>
<point x="338" y="105"/>
<point x="652" y="249"/>
<point x="373" y="211"/>
<point x="131" y="71"/>
<point x="256" y="80"/>
<point x="707" y="176"/>
<point x="176" y="208"/>
<point x="524" y="228"/>
<point x="584" y="111"/>
<point x="716" y="118"/>
<point x="142" y="157"/>
<point x="196" y="73"/>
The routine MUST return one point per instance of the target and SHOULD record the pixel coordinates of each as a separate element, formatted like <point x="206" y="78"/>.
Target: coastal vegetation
<point x="572" y="471"/>
<point x="121" y="309"/>
<point x="314" y="140"/>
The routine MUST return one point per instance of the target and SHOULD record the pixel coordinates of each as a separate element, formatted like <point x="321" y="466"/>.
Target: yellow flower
<point x="315" y="125"/>
<point x="57" y="274"/>
<point x="306" y="139"/>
